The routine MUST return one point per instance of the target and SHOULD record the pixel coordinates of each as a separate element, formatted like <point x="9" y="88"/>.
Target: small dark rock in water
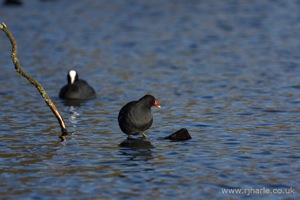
<point x="179" y="135"/>
<point x="136" y="143"/>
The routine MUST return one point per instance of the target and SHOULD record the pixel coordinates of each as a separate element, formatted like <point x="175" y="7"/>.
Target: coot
<point x="136" y="117"/>
<point x="76" y="88"/>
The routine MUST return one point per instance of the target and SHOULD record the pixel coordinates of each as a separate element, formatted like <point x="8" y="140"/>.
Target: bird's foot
<point x="144" y="135"/>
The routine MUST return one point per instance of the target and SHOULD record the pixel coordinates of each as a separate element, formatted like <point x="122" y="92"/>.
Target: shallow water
<point x="228" y="71"/>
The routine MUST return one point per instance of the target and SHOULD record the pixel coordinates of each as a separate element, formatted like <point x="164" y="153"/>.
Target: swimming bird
<point x="136" y="116"/>
<point x="76" y="88"/>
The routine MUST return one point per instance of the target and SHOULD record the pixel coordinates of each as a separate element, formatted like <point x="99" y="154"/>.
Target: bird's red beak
<point x="156" y="104"/>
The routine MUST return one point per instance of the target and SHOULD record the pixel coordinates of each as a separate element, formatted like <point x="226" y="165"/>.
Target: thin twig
<point x="33" y="81"/>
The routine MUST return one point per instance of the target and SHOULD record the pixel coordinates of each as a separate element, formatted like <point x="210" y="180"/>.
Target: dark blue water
<point x="228" y="71"/>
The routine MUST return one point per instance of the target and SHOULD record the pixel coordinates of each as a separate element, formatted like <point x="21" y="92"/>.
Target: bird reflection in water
<point x="136" y="149"/>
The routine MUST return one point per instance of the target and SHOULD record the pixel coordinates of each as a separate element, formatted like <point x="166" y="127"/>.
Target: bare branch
<point x="33" y="81"/>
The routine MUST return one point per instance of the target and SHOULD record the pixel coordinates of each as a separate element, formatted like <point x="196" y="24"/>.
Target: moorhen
<point x="136" y="117"/>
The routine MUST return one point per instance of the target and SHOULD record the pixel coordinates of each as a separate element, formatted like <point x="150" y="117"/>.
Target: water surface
<point x="228" y="71"/>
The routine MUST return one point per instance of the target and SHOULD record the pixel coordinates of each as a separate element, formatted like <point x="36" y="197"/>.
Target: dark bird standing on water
<point x="76" y="88"/>
<point x="136" y="117"/>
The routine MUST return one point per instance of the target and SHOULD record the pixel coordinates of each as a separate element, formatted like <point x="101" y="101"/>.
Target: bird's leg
<point x="144" y="135"/>
<point x="129" y="137"/>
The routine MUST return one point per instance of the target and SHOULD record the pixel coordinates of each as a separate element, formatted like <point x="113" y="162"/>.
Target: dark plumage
<point x="136" y="117"/>
<point x="76" y="88"/>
